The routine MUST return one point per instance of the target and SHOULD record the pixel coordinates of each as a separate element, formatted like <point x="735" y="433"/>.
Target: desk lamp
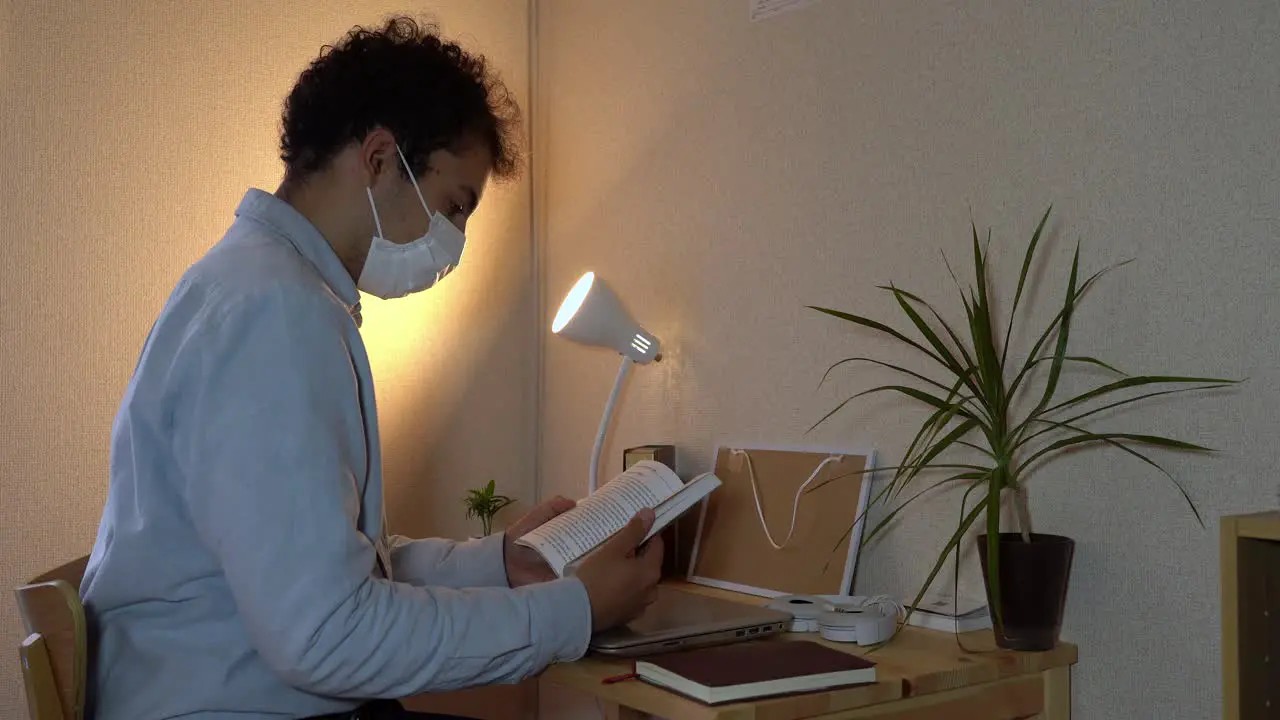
<point x="591" y="314"/>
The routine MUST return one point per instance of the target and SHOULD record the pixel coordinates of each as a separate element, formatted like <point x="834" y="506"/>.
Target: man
<point x="241" y="568"/>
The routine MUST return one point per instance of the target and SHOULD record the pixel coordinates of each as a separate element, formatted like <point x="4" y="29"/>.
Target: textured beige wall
<point x="128" y="132"/>
<point x="722" y="174"/>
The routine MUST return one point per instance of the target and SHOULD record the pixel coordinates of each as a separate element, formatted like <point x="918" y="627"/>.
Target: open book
<point x="567" y="538"/>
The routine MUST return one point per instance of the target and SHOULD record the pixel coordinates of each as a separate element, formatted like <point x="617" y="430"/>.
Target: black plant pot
<point x="1033" y="589"/>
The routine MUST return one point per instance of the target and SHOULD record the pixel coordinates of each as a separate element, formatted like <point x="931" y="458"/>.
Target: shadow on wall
<point x="477" y="428"/>
<point x="455" y="374"/>
<point x="650" y="278"/>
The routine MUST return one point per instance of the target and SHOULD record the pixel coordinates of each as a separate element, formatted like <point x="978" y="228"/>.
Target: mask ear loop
<point x="795" y="506"/>
<point x="373" y="206"/>
<point x="414" y="180"/>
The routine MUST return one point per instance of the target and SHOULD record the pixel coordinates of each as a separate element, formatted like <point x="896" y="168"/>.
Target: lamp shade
<point x="591" y="314"/>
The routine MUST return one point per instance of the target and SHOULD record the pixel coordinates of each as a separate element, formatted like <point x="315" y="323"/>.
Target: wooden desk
<point x="922" y="674"/>
<point x="495" y="702"/>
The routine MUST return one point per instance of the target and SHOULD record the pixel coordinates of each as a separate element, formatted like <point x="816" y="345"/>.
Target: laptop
<point x="681" y="620"/>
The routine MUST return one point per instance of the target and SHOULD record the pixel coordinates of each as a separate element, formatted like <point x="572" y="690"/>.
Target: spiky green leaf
<point x="1023" y="438"/>
<point x="884" y="522"/>
<point x="1136" y="381"/>
<point x="879" y="327"/>
<point x="952" y="543"/>
<point x="1091" y="437"/>
<point x="1022" y="281"/>
<point x="1082" y="360"/>
<point x="881" y="363"/>
<point x="955" y="338"/>
<point x="944" y="352"/>
<point x="1064" y="332"/>
<point x="934" y="450"/>
<point x="1182" y="490"/>
<point x="1033" y="357"/>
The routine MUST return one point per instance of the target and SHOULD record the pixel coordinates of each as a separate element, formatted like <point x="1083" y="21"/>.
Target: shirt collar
<point x="298" y="230"/>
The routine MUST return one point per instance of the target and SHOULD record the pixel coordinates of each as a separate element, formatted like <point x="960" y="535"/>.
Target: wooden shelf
<point x="1250" y="582"/>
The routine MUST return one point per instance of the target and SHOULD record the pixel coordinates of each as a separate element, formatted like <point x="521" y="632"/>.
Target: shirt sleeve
<point x="271" y="440"/>
<point x="440" y="562"/>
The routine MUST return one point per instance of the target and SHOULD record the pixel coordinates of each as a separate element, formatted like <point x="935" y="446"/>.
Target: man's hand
<point x="524" y="565"/>
<point x="621" y="576"/>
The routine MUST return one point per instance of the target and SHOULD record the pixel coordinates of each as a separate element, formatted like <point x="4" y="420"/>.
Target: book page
<point x="685" y="498"/>
<point x="571" y="535"/>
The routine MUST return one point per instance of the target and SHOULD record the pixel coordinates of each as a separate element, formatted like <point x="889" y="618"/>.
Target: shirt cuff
<point x="489" y="554"/>
<point x="562" y="619"/>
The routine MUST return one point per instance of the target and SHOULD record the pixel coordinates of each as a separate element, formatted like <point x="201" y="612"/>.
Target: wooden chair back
<point x="55" y="653"/>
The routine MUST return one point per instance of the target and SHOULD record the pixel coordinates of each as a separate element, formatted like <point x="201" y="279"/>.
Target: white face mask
<point x="394" y="270"/>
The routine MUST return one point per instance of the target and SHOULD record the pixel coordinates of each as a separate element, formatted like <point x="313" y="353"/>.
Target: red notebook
<point x="756" y="669"/>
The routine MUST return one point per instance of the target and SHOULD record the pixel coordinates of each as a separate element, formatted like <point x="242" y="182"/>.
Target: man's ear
<point x="378" y="154"/>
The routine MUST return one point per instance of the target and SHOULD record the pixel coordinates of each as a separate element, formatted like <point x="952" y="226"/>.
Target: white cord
<point x="887" y="604"/>
<point x="795" y="506"/>
<point x="593" y="478"/>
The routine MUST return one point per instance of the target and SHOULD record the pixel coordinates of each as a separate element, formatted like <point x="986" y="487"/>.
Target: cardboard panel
<point x="732" y="550"/>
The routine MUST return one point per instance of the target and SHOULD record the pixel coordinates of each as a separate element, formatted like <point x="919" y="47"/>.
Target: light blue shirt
<point x="236" y="572"/>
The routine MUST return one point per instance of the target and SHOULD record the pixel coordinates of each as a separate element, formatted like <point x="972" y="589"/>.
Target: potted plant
<point x="1008" y="415"/>
<point x="484" y="503"/>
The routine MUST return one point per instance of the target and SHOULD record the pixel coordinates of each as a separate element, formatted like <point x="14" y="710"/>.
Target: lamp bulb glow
<point x="573" y="302"/>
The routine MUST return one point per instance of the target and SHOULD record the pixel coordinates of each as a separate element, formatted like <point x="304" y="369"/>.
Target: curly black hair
<point x="427" y="92"/>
